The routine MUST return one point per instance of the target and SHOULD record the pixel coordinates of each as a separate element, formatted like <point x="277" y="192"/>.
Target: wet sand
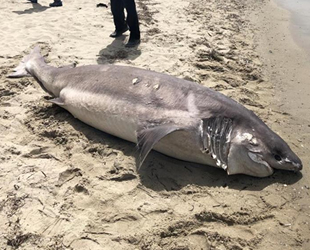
<point x="65" y="185"/>
<point x="300" y="21"/>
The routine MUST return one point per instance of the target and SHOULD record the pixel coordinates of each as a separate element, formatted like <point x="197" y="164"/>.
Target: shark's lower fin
<point x="148" y="137"/>
<point x="58" y="101"/>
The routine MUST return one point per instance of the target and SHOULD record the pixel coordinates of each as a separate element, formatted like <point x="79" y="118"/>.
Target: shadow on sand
<point x="160" y="172"/>
<point x="117" y="51"/>
<point x="36" y="7"/>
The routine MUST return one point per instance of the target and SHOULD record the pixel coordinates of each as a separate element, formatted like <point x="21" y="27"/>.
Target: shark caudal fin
<point x="23" y="68"/>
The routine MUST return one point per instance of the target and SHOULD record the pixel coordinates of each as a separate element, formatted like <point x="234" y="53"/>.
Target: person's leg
<point x="56" y="3"/>
<point x="117" y="8"/>
<point x="132" y="19"/>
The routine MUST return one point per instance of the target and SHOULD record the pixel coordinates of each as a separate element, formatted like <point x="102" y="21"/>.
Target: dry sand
<point x="65" y="185"/>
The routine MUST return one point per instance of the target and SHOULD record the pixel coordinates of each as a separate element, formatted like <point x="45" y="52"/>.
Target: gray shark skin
<point x="179" y="118"/>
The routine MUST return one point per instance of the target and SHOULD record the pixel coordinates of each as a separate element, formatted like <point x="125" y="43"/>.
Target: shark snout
<point x="298" y="166"/>
<point x="293" y="166"/>
<point x="287" y="164"/>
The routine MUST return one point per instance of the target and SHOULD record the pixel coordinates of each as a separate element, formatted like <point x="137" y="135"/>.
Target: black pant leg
<point x="132" y="19"/>
<point x="117" y="8"/>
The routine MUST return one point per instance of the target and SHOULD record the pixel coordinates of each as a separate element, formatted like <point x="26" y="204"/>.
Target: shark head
<point x="256" y="150"/>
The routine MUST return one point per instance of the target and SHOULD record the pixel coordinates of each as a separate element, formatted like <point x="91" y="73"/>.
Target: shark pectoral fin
<point x="59" y="101"/>
<point x="148" y="137"/>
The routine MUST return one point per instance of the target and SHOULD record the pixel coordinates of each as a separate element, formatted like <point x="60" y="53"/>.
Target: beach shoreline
<point x="286" y="62"/>
<point x="286" y="65"/>
<point x="65" y="185"/>
<point x="299" y="21"/>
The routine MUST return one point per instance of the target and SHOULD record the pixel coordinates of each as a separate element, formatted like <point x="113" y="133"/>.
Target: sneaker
<point x="118" y="33"/>
<point x="132" y="43"/>
<point x="56" y="4"/>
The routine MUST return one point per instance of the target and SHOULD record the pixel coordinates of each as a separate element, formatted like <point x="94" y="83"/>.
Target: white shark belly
<point x="122" y="127"/>
<point x="102" y="112"/>
<point x="184" y="145"/>
<point x="121" y="119"/>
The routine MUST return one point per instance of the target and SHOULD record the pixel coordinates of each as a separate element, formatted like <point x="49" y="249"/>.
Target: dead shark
<point x="176" y="117"/>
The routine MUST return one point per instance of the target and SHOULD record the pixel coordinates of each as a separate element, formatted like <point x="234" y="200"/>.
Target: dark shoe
<point x="33" y="1"/>
<point x="132" y="43"/>
<point x="56" y="4"/>
<point x="118" y="33"/>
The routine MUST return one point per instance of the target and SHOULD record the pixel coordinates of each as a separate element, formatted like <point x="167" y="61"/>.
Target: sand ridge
<point x="65" y="185"/>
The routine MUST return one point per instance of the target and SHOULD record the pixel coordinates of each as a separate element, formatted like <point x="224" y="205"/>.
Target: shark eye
<point x="277" y="157"/>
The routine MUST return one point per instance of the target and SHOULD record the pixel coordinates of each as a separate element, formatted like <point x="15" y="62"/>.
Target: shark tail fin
<point x="23" y="68"/>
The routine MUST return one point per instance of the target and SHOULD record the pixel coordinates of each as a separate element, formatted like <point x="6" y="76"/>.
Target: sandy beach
<point x="66" y="185"/>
